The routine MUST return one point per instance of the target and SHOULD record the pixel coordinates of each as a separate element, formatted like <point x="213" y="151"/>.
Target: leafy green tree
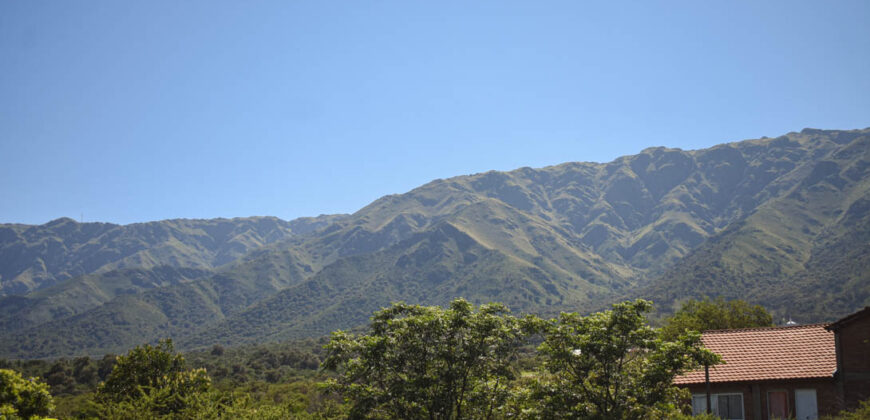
<point x="153" y="379"/>
<point x="428" y="362"/>
<point x="24" y="398"/>
<point x="611" y="365"/>
<point x="703" y="315"/>
<point x="84" y="371"/>
<point x="59" y="377"/>
<point x="105" y="366"/>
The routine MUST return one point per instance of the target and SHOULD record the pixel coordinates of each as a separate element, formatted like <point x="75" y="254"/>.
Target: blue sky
<point x="139" y="111"/>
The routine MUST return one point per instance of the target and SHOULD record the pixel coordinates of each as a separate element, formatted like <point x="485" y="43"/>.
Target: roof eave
<point x="840" y="323"/>
<point x="714" y="382"/>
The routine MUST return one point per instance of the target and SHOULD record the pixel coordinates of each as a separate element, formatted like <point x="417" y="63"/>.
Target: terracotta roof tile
<point x="756" y="354"/>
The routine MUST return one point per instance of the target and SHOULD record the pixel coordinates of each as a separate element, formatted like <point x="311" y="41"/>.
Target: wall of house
<point x="755" y="395"/>
<point x="854" y="343"/>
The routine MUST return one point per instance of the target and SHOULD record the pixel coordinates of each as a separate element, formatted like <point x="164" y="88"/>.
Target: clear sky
<point x="139" y="111"/>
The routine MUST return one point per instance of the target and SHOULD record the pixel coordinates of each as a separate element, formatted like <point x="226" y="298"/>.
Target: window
<point x="699" y="404"/>
<point x="726" y="406"/>
<point x="730" y="406"/>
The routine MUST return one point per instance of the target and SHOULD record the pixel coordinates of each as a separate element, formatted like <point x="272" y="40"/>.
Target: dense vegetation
<point x="426" y="362"/>
<point x="781" y="222"/>
<point x="412" y="362"/>
<point x="611" y="365"/>
<point x="21" y="397"/>
<point x="274" y="374"/>
<point x="718" y="314"/>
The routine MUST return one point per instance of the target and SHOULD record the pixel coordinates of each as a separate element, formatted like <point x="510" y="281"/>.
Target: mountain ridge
<point x="665" y="223"/>
<point x="36" y="256"/>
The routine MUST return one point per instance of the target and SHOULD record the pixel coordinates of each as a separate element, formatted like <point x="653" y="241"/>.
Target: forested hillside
<point x="781" y="222"/>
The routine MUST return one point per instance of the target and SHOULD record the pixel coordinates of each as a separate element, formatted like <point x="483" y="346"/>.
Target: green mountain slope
<point x="85" y="292"/>
<point x="780" y="221"/>
<point x="430" y="268"/>
<point x="35" y="257"/>
<point x="590" y="231"/>
<point x="171" y="311"/>
<point x="804" y="254"/>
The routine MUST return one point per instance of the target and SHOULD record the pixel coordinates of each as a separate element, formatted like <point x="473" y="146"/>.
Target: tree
<point x="719" y="314"/>
<point x="427" y="362"/>
<point x="611" y="365"/>
<point x="105" y="366"/>
<point x="60" y="378"/>
<point x="84" y="371"/>
<point x="25" y="398"/>
<point x="155" y="375"/>
<point x="217" y="350"/>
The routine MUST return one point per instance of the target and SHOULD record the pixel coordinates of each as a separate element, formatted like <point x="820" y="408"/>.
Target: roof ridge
<point x="778" y="327"/>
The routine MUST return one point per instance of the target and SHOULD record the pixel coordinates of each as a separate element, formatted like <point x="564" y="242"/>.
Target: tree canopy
<point x="23" y="398"/>
<point x="612" y="365"/>
<point x="155" y="374"/>
<point x="428" y="362"/>
<point x="706" y="314"/>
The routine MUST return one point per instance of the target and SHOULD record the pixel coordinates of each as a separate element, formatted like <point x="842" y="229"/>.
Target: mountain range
<point x="783" y="222"/>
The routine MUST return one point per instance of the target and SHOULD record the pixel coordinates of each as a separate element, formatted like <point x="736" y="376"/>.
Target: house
<point x="800" y="371"/>
<point x="852" y="345"/>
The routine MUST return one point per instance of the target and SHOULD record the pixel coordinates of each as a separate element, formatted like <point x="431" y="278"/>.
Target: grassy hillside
<point x="804" y="254"/>
<point x="431" y="267"/>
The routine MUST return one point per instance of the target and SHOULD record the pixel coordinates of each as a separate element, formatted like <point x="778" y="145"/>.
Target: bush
<point x="860" y="413"/>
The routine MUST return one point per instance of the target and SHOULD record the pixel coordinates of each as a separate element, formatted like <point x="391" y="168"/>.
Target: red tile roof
<point x="757" y="354"/>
